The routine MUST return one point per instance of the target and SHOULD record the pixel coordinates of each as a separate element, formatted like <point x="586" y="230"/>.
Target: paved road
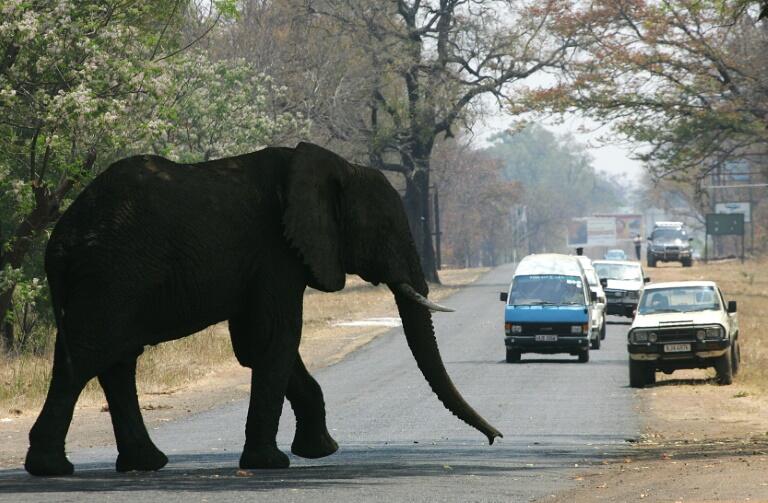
<point x="397" y="441"/>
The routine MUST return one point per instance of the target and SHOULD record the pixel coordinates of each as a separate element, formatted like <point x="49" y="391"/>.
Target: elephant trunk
<point x="420" y="334"/>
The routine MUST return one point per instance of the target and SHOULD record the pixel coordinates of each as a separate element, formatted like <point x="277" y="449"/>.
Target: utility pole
<point x="438" y="233"/>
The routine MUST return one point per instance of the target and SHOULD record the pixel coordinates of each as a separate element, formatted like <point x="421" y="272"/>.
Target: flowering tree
<point x="211" y="109"/>
<point x="83" y="82"/>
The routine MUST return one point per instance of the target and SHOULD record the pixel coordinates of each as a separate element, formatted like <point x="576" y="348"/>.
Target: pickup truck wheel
<point x="513" y="356"/>
<point x="736" y="357"/>
<point x="687" y="262"/>
<point x="595" y="343"/>
<point x="651" y="262"/>
<point x="602" y="331"/>
<point x="584" y="356"/>
<point x="640" y="374"/>
<point x="724" y="368"/>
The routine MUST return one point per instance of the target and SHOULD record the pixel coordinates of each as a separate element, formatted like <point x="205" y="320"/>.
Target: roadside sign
<point x="735" y="207"/>
<point x="725" y="224"/>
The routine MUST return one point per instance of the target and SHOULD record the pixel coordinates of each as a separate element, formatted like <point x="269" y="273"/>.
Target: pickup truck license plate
<point x="546" y="338"/>
<point x="676" y="348"/>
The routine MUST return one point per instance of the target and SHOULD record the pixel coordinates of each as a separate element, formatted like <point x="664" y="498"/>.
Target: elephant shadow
<point x="212" y="473"/>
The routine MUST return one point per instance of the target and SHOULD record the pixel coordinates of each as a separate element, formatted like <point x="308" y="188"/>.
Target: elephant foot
<point x="143" y="460"/>
<point x="47" y="464"/>
<point x="313" y="446"/>
<point x="267" y="457"/>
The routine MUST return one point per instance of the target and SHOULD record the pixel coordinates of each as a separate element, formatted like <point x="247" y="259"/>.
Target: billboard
<point x="604" y="230"/>
<point x="592" y="231"/>
<point x="731" y="208"/>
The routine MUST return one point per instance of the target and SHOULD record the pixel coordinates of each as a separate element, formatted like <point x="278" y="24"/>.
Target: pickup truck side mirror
<point x="731" y="306"/>
<point x="593" y="296"/>
<point x="503" y="296"/>
<point x="604" y="282"/>
<point x="646" y="279"/>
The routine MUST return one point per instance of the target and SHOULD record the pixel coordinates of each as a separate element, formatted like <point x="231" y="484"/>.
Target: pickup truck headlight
<point x="579" y="329"/>
<point x="642" y="336"/>
<point x="511" y="328"/>
<point x="632" y="295"/>
<point x="712" y="332"/>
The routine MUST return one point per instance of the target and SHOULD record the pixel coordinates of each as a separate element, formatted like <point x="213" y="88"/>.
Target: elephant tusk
<point x="408" y="291"/>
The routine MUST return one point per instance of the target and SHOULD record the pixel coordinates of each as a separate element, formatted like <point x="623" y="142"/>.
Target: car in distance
<point x="683" y="325"/>
<point x="548" y="308"/>
<point x="616" y="254"/>
<point x="598" y="318"/>
<point x="669" y="242"/>
<point x="623" y="281"/>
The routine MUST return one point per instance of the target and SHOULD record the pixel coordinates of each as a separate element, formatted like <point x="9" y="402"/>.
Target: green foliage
<point x="83" y="83"/>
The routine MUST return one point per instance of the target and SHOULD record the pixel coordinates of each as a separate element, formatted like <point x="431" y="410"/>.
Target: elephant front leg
<point x="312" y="439"/>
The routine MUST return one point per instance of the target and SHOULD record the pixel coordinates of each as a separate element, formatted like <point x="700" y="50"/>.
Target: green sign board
<point x="724" y="224"/>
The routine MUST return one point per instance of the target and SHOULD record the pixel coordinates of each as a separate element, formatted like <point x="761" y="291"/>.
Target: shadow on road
<point x="218" y="472"/>
<point x="563" y="361"/>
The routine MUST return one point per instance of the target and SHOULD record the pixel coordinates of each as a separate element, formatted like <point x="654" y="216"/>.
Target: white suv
<point x="682" y="325"/>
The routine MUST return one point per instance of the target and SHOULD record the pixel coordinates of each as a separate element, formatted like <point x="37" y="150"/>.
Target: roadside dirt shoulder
<point x="701" y="442"/>
<point x="330" y="333"/>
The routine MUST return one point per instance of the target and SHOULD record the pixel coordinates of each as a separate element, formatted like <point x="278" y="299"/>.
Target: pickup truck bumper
<point x="700" y="355"/>
<point x="621" y="308"/>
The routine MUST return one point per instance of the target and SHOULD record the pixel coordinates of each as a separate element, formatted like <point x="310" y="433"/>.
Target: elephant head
<point x="344" y="218"/>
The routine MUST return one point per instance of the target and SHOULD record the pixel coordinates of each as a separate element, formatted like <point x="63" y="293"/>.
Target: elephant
<point x="152" y="250"/>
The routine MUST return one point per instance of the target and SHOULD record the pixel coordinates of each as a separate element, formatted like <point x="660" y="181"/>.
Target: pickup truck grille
<point x="547" y="328"/>
<point x="687" y="334"/>
<point x="614" y="294"/>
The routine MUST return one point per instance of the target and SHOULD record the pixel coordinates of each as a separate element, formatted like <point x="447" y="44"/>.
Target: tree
<point x="475" y="205"/>
<point x="683" y="77"/>
<point x="82" y="83"/>
<point x="557" y="182"/>
<point x="68" y="72"/>
<point x="432" y="64"/>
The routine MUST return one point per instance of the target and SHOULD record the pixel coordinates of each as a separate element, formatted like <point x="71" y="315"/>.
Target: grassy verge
<point x="747" y="284"/>
<point x="172" y="365"/>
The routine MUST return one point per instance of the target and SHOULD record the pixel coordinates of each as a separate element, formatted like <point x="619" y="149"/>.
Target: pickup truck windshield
<point x="679" y="300"/>
<point x="668" y="234"/>
<point x="618" y="271"/>
<point x="542" y="290"/>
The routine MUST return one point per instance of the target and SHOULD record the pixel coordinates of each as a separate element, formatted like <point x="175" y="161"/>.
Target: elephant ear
<point x="313" y="213"/>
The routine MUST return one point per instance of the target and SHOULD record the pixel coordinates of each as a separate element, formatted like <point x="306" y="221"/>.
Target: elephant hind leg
<point x="312" y="439"/>
<point x="46" y="454"/>
<point x="136" y="452"/>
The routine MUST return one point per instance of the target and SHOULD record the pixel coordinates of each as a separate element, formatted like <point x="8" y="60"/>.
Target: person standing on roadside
<point x="638" y="245"/>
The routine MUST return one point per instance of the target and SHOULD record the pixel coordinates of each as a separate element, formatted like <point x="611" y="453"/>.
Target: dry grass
<point x="747" y="284"/>
<point x="176" y="364"/>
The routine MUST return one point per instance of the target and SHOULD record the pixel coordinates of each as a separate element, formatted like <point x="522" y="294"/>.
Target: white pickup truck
<point x="681" y="325"/>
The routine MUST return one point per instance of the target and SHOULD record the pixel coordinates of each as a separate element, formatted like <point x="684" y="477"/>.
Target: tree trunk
<point x="45" y="212"/>
<point x="417" y="208"/>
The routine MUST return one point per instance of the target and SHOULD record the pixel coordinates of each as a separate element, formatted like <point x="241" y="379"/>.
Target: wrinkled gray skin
<point x="152" y="251"/>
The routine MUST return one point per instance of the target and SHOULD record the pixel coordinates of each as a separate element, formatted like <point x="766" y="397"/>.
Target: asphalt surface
<point x="397" y="441"/>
